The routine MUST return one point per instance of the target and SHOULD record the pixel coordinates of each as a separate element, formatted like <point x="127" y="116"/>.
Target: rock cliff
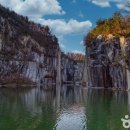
<point x="108" y="62"/>
<point x="29" y="52"/>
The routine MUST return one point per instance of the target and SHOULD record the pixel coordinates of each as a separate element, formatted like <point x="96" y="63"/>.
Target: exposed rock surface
<point x="108" y="62"/>
<point x="29" y="52"/>
<point x="72" y="67"/>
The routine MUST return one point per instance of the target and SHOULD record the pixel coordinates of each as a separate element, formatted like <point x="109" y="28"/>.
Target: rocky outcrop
<point x="72" y="67"/>
<point x="108" y="62"/>
<point x="29" y="52"/>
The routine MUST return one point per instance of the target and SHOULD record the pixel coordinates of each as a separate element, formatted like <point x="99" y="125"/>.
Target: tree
<point x="104" y="27"/>
<point x="100" y="22"/>
<point x="47" y="29"/>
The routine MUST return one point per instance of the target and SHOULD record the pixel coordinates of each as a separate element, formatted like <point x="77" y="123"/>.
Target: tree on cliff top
<point x="116" y="25"/>
<point x="22" y="26"/>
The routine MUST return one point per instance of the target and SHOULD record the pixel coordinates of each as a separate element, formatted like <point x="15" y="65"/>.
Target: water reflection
<point x="72" y="115"/>
<point x="106" y="108"/>
<point x="66" y="108"/>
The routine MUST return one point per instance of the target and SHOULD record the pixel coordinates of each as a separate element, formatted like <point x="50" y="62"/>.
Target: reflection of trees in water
<point x="106" y="108"/>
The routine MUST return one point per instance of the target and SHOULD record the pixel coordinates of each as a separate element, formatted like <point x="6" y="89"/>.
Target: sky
<point x="69" y="20"/>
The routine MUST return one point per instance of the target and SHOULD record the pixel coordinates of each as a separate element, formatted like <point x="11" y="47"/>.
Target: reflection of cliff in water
<point x="72" y="115"/>
<point x="67" y="107"/>
<point x="106" y="108"/>
<point x="41" y="109"/>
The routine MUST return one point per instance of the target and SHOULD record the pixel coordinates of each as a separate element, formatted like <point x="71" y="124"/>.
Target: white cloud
<point x="121" y="4"/>
<point x="37" y="9"/>
<point x="62" y="27"/>
<point x="102" y="3"/>
<point x="62" y="46"/>
<point x="124" y="5"/>
<point x="78" y="52"/>
<point x="82" y="43"/>
<point x="34" y="8"/>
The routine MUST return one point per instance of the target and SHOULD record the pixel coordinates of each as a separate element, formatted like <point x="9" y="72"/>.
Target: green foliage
<point x="116" y="25"/>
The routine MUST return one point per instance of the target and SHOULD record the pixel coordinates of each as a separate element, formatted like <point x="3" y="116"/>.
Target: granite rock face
<point x="29" y="52"/>
<point x="72" y="67"/>
<point x="108" y="62"/>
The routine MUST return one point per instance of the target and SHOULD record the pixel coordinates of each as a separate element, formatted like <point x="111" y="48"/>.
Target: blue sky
<point x="69" y="20"/>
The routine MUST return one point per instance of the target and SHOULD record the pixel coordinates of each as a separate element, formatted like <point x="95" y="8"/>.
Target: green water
<point x="71" y="108"/>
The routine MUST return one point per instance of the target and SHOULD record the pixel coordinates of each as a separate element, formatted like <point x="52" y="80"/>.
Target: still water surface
<point x="68" y="108"/>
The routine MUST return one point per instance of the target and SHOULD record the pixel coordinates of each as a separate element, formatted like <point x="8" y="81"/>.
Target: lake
<point x="66" y="108"/>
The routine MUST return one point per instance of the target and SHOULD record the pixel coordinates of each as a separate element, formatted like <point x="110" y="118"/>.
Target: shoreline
<point x="18" y="86"/>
